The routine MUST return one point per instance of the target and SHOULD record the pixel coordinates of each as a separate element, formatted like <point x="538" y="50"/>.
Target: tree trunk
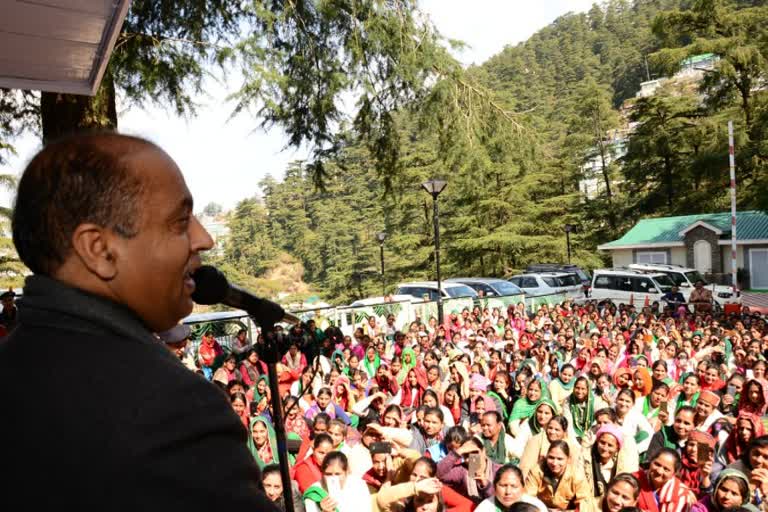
<point x="66" y="113"/>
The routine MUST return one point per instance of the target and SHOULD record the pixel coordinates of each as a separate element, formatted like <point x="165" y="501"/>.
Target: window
<point x="517" y="281"/>
<point x="641" y="284"/>
<point x="529" y="282"/>
<point x="461" y="290"/>
<point x="651" y="257"/>
<point x="551" y="282"/>
<point x="604" y="282"/>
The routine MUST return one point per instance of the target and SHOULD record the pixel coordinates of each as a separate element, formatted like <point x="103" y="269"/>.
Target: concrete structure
<point x="698" y="241"/>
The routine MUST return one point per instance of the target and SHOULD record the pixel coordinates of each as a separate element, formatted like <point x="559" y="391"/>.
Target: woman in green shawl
<point x="580" y="407"/>
<point x="262" y="442"/>
<point x="560" y="388"/>
<point x="525" y="406"/>
<point x="261" y="393"/>
<point x="544" y="412"/>
<point x="408" y="360"/>
<point x="371" y="362"/>
<point x="689" y="395"/>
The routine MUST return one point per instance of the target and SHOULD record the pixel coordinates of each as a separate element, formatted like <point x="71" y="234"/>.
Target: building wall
<point x="621" y="257"/>
<point x="678" y="256"/>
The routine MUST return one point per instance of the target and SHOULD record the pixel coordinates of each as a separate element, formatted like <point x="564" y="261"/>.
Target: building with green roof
<point x="699" y="241"/>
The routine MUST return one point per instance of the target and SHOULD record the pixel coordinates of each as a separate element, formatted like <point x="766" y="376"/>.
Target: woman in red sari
<point x="660" y="489"/>
<point x="413" y="387"/>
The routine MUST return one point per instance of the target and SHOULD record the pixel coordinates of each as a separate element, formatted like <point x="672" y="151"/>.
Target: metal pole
<point x="271" y="356"/>
<point x="383" y="282"/>
<point x="436" y="222"/>
<point x="732" y="162"/>
<point x="568" y="243"/>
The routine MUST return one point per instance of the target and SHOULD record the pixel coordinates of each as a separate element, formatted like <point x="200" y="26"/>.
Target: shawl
<point x="732" y="447"/>
<point x="341" y="399"/>
<point x="501" y="404"/>
<point x="256" y="395"/>
<point x="533" y="422"/>
<point x="497" y="451"/>
<point x="316" y="493"/>
<point x="746" y="405"/>
<point x="406" y="397"/>
<point x="524" y="407"/>
<point x="583" y="413"/>
<point x="673" y="496"/>
<point x="270" y="445"/>
<point x="372" y="367"/>
<point x="464" y="377"/>
<point x="649" y="411"/>
<point x="647" y="379"/>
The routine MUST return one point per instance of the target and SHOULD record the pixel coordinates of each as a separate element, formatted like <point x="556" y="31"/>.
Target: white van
<point x="684" y="278"/>
<point x="546" y="283"/>
<point x="625" y="285"/>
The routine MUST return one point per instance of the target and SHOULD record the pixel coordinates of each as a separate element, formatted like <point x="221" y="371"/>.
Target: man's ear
<point x="92" y="244"/>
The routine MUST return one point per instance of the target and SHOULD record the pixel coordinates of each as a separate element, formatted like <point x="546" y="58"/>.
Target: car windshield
<point x="461" y="291"/>
<point x="664" y="282"/>
<point x="694" y="276"/>
<point x="506" y="288"/>
<point x="676" y="277"/>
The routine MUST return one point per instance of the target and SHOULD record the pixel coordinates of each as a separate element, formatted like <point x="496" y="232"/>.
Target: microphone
<point x="212" y="287"/>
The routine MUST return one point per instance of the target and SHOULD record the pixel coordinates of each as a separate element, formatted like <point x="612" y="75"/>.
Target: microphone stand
<point x="271" y="356"/>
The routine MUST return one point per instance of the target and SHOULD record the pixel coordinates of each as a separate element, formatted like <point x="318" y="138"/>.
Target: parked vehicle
<point x="489" y="287"/>
<point x="427" y="290"/>
<point x="546" y="283"/>
<point x="626" y="285"/>
<point x="561" y="267"/>
<point x="685" y="277"/>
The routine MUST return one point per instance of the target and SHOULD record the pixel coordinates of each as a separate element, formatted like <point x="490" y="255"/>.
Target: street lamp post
<point x="434" y="187"/>
<point x="569" y="228"/>
<point x="381" y="236"/>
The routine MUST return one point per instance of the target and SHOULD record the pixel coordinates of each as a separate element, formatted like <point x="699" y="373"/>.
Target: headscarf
<point x="619" y="372"/>
<point x="582" y="413"/>
<point x="464" y="374"/>
<point x="497" y="451"/>
<point x="406" y="396"/>
<point x="371" y="367"/>
<point x="732" y="447"/>
<point x="732" y="473"/>
<point x="744" y="402"/>
<point x="533" y="422"/>
<point x="341" y="380"/>
<point x="524" y="407"/>
<point x="690" y="473"/>
<point x="256" y="395"/>
<point x="645" y="375"/>
<point x="270" y="446"/>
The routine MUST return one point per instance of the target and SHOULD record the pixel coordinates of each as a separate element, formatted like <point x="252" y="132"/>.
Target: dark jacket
<point x="99" y="414"/>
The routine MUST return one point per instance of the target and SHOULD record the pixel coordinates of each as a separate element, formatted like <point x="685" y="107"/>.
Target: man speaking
<point x="96" y="411"/>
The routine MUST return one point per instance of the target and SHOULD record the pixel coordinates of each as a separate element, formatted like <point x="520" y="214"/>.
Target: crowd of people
<point x="589" y="406"/>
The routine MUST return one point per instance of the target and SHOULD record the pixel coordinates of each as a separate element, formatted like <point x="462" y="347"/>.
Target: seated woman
<point x="622" y="492"/>
<point x="262" y="443"/>
<point x="535" y="425"/>
<point x="699" y="470"/>
<point x="508" y="489"/>
<point x="537" y="447"/>
<point x="731" y="492"/>
<point x="419" y="480"/>
<point x="453" y="439"/>
<point x="272" y="483"/>
<point x="748" y="427"/>
<point x="556" y="483"/>
<point x="525" y="406"/>
<point x="673" y="436"/>
<point x="324" y="404"/>
<point x="454" y="471"/>
<point x="337" y="490"/>
<point x="754" y="464"/>
<point x="660" y="489"/>
<point x="580" y="407"/>
<point x="240" y="406"/>
<point x="634" y="421"/>
<point x="430" y="399"/>
<point x="649" y="406"/>
<point x="308" y="471"/>
<point x="605" y="460"/>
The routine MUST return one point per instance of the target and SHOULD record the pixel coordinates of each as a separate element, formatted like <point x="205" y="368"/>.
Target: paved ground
<point x="755" y="301"/>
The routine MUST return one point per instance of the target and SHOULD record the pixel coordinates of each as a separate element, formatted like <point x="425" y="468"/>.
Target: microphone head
<point x="210" y="286"/>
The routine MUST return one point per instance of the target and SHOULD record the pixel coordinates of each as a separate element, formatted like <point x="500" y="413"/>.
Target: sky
<point x="224" y="158"/>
